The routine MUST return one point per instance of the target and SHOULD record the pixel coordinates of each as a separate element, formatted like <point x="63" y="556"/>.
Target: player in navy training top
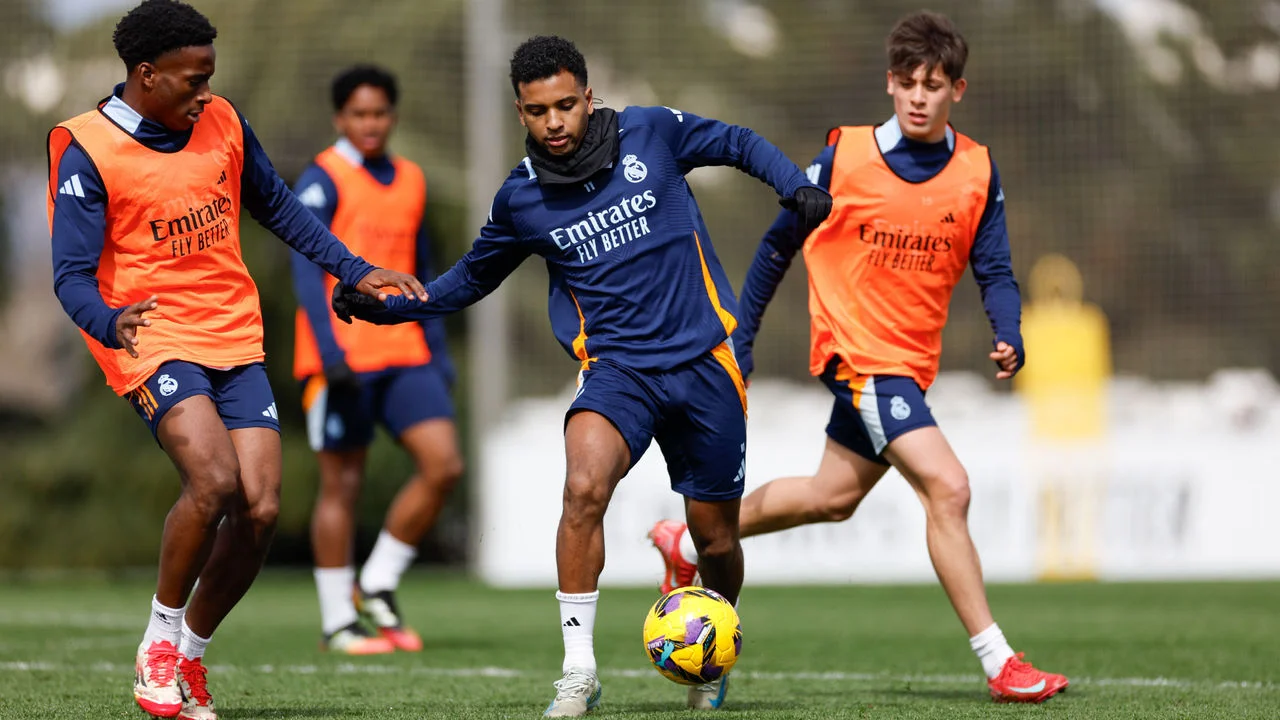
<point x="638" y="296"/>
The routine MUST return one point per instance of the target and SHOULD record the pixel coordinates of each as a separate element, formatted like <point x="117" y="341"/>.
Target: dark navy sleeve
<point x="433" y="328"/>
<point x="494" y="255"/>
<point x="268" y="199"/>
<point x="78" y="234"/>
<point x="993" y="270"/>
<point x="773" y="258"/>
<point x="316" y="190"/>
<point x="699" y="142"/>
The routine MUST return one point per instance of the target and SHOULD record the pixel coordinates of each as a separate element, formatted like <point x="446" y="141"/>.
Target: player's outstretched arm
<point x="993" y="271"/>
<point x="697" y="141"/>
<point x="494" y="256"/>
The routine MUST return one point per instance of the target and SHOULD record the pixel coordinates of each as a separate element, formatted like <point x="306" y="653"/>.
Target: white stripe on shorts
<point x="316" y="416"/>
<point x="869" y="409"/>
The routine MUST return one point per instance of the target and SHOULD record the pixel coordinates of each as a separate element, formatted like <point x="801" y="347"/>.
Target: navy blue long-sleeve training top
<point x="914" y="162"/>
<point x="79" y="228"/>
<point x="633" y="276"/>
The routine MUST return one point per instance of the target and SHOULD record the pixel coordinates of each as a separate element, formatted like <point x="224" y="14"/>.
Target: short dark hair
<point x="929" y="39"/>
<point x="156" y="27"/>
<point x="543" y="56"/>
<point x="346" y="82"/>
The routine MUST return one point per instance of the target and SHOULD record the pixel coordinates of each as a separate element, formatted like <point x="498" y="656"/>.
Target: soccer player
<point x="638" y="297"/>
<point x="145" y="197"/>
<point x="354" y="375"/>
<point x="915" y="202"/>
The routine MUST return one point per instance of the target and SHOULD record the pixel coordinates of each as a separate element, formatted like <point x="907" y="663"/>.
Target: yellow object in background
<point x="1064" y="385"/>
<point x="1069" y="355"/>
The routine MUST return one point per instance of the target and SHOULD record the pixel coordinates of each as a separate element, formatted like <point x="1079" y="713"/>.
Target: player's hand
<point x="128" y="322"/>
<point x="348" y="302"/>
<point x="811" y="204"/>
<point x="341" y="378"/>
<point x="408" y="285"/>
<point x="1006" y="358"/>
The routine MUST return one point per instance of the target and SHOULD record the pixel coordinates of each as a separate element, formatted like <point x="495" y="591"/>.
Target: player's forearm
<point x="1003" y="304"/>
<point x="269" y="200"/>
<point x="762" y="160"/>
<point x="82" y="300"/>
<point x="772" y="260"/>
<point x="308" y="286"/>
<point x="703" y="141"/>
<point x="291" y="221"/>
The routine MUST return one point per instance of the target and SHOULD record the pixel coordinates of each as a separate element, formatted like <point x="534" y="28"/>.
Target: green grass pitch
<point x="1131" y="650"/>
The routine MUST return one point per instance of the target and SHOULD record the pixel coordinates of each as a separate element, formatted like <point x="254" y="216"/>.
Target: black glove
<point x="349" y="302"/>
<point x="340" y="377"/>
<point x="811" y="204"/>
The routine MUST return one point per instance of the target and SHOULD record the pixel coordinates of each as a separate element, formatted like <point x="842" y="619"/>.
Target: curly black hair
<point x="543" y="56"/>
<point x="353" y="77"/>
<point x="156" y="27"/>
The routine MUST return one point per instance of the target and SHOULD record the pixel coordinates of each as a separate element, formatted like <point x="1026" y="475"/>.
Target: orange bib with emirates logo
<point x="883" y="265"/>
<point x="173" y="231"/>
<point x="379" y="223"/>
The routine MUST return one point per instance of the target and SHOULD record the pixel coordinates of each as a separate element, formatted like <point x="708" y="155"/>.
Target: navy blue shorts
<point x="696" y="412"/>
<point x="870" y="411"/>
<point x="398" y="397"/>
<point x="242" y="394"/>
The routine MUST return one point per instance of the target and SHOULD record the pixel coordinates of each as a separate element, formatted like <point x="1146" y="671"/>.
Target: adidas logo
<point x="313" y="196"/>
<point x="271" y="412"/>
<point x="223" y="177"/>
<point x="572" y="622"/>
<point x="72" y="187"/>
<point x="949" y="218"/>
<point x="742" y="468"/>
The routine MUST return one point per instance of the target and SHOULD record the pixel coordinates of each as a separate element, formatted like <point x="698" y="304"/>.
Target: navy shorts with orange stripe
<point x="696" y="412"/>
<point x="242" y="394"/>
<point x="872" y="411"/>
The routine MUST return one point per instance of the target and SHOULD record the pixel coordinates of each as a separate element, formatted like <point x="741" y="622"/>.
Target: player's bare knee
<point x="717" y="546"/>
<point x="949" y="496"/>
<point x="213" y="486"/>
<point x="441" y="475"/>
<point x="264" y="512"/>
<point x="585" y="498"/>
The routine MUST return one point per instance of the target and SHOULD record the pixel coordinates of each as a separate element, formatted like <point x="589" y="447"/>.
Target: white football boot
<point x="709" y="696"/>
<point x="577" y="693"/>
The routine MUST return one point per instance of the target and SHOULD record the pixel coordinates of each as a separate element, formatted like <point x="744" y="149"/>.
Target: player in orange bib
<point x="355" y="375"/>
<point x="915" y="203"/>
<point x="145" y="194"/>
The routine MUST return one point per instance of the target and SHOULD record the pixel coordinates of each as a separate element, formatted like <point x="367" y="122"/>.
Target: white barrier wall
<point x="1185" y="486"/>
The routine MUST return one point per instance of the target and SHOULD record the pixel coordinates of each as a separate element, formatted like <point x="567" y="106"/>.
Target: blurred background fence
<point x="1136" y="137"/>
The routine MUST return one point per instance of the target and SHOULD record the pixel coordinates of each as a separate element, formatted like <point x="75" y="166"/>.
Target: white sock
<point x="577" y="623"/>
<point x="687" y="549"/>
<point x="165" y="623"/>
<point x="192" y="645"/>
<point x="388" y="561"/>
<point x="992" y="650"/>
<point x="337" y="609"/>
